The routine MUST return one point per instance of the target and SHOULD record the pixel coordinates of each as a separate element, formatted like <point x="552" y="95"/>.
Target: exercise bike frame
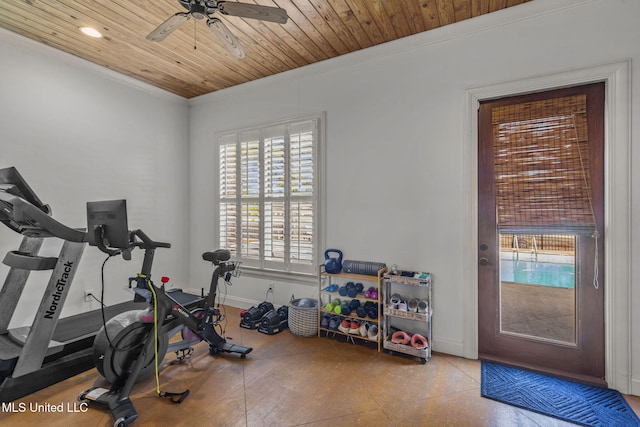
<point x="179" y="316"/>
<point x="169" y="315"/>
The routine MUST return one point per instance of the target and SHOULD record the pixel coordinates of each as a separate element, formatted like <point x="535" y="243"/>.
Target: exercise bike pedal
<point x="183" y="354"/>
<point x="175" y="397"/>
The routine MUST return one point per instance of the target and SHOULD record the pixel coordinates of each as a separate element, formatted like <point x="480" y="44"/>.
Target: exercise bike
<point x="130" y="346"/>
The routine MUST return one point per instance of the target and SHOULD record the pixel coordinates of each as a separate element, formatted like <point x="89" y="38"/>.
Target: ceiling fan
<point x="200" y="9"/>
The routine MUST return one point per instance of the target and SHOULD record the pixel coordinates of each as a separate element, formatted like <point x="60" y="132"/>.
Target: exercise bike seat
<point x="217" y="256"/>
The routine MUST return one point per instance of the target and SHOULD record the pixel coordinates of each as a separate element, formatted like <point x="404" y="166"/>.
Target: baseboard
<point x="441" y="346"/>
<point x="242" y="303"/>
<point x="635" y="386"/>
<point x="453" y="348"/>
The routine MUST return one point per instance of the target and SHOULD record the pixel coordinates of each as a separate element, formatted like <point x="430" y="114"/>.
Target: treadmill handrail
<point x="27" y="261"/>
<point x="25" y="213"/>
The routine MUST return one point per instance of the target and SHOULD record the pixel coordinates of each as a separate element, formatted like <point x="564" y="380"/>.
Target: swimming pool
<point x="560" y="275"/>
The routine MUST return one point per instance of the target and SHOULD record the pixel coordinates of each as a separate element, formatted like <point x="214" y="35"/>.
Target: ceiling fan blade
<point x="253" y="11"/>
<point x="233" y="45"/>
<point x="168" y="27"/>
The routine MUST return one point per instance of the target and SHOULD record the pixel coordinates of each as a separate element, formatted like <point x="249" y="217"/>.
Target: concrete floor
<point x="294" y="381"/>
<point x="539" y="311"/>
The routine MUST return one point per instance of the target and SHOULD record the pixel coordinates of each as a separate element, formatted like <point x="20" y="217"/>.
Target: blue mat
<point x="566" y="400"/>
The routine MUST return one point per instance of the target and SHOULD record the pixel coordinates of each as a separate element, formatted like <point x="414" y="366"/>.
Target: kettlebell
<point x="332" y="265"/>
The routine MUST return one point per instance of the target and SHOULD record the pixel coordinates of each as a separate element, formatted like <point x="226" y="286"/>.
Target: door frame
<point x="582" y="358"/>
<point x="617" y="215"/>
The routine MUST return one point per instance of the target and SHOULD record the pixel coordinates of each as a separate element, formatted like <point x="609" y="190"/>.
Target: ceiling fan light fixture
<point x="200" y="9"/>
<point x="91" y="32"/>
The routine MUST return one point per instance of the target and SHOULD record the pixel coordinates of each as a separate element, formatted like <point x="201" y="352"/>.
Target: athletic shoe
<point x="423" y="307"/>
<point x="334" y="322"/>
<point x="324" y="323"/>
<point x="355" y="327"/>
<point x="345" y="326"/>
<point x="394" y="300"/>
<point x="364" y="328"/>
<point x="373" y="332"/>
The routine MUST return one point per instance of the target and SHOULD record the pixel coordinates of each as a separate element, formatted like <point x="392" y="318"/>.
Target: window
<point x="268" y="195"/>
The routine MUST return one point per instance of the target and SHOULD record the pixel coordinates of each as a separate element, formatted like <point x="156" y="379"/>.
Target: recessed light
<point x="92" y="32"/>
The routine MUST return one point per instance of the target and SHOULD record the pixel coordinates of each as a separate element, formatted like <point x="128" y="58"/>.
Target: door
<point x="540" y="231"/>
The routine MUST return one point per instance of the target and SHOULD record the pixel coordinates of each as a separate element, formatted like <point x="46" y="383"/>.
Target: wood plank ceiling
<point x="192" y="61"/>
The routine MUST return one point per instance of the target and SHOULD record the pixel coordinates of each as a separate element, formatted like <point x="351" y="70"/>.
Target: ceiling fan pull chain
<point x="194" y="35"/>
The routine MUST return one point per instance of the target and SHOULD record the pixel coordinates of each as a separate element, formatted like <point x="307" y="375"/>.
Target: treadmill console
<point x="16" y="196"/>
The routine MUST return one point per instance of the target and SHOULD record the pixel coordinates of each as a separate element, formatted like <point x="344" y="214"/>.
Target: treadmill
<point x="52" y="348"/>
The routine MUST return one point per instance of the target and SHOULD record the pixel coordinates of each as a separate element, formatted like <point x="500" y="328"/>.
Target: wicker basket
<point x="303" y="317"/>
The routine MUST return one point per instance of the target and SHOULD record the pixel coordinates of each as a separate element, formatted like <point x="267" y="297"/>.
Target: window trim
<point x="266" y="271"/>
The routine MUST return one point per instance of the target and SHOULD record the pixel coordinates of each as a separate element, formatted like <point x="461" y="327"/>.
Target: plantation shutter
<point x="275" y="189"/>
<point x="542" y="167"/>
<point x="228" y="182"/>
<point x="301" y="207"/>
<point x="267" y="195"/>
<point x="250" y="195"/>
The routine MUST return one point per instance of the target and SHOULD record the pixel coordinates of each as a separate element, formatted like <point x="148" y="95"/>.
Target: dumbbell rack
<point x="325" y="279"/>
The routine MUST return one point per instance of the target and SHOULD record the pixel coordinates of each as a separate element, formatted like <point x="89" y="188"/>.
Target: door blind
<point x="542" y="167"/>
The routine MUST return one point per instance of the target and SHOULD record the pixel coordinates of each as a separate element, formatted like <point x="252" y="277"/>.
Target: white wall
<point x="78" y="133"/>
<point x="394" y="149"/>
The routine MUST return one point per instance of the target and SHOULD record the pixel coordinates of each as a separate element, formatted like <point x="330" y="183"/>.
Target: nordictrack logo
<point x="59" y="290"/>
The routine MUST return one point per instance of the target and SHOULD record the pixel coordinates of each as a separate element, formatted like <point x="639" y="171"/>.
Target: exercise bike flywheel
<point x="119" y="344"/>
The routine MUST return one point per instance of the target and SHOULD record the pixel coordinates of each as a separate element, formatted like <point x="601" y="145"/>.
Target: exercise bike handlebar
<point x="146" y="242"/>
<point x="149" y="247"/>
